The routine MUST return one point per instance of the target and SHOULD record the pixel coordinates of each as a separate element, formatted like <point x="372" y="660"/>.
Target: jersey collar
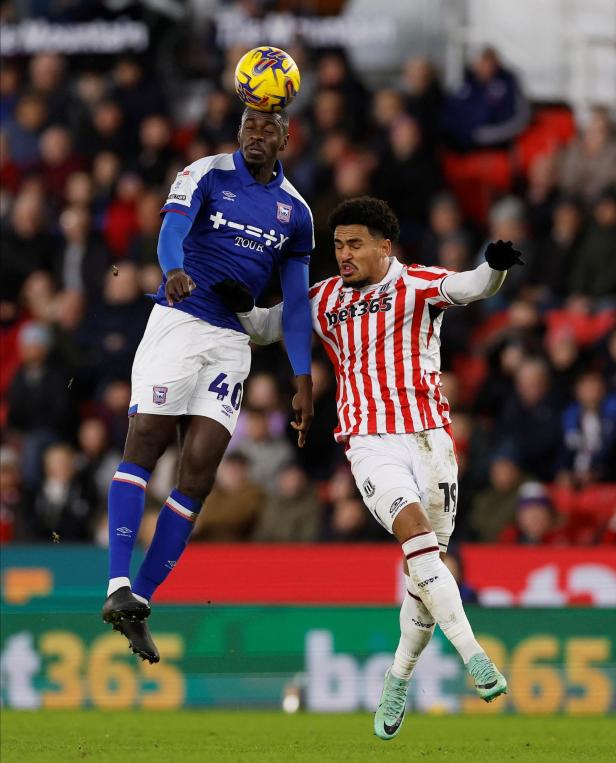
<point x="248" y="179"/>
<point x="394" y="271"/>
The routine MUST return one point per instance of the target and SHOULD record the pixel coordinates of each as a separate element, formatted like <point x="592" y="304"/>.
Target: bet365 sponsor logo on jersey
<point x="380" y="304"/>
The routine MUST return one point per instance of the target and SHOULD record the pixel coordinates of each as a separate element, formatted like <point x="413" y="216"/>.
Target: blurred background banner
<point x="329" y="651"/>
<point x="475" y="120"/>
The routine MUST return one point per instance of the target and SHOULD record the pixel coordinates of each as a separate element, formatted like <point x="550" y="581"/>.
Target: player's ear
<point x="387" y="246"/>
<point x="285" y="142"/>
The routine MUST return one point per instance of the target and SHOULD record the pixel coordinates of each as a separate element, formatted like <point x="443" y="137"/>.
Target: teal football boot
<point x="489" y="682"/>
<point x="392" y="706"/>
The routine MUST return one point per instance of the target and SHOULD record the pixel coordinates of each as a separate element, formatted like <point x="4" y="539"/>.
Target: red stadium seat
<point x="598" y="500"/>
<point x="552" y="128"/>
<point x="559" y="121"/>
<point x="476" y="178"/>
<point x="565" y="499"/>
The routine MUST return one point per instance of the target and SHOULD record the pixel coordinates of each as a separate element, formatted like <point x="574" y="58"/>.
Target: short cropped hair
<point x="282" y="117"/>
<point x="375" y="214"/>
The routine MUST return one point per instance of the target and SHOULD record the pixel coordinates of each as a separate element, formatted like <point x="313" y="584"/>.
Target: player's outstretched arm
<point x="179" y="284"/>
<point x="297" y="332"/>
<point x="485" y="280"/>
<point x="263" y="325"/>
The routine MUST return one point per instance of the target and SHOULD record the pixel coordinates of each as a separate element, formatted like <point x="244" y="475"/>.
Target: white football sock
<point x="439" y="592"/>
<point x="116" y="583"/>
<point x="416" y="629"/>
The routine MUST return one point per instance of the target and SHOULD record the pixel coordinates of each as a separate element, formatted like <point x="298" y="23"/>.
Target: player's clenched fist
<point x="501" y="255"/>
<point x="179" y="286"/>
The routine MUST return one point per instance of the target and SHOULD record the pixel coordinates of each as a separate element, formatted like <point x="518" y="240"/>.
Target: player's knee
<point x="196" y="483"/>
<point x="410" y="519"/>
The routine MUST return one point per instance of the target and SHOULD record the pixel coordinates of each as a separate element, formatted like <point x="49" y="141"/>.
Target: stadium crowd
<point x="87" y="155"/>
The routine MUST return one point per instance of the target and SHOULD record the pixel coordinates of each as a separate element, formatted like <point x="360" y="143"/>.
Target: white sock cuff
<point x="116" y="583"/>
<point x="420" y="544"/>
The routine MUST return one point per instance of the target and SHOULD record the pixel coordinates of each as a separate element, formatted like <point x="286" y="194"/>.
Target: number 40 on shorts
<point x="220" y="387"/>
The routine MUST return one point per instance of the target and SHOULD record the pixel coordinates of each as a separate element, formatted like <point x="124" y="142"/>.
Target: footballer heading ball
<point x="267" y="79"/>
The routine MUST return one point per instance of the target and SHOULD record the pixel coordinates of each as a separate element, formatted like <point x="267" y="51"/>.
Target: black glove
<point x="235" y="295"/>
<point x="501" y="255"/>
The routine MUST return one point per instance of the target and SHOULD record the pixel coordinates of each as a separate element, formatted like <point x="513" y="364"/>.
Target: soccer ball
<point x="267" y="79"/>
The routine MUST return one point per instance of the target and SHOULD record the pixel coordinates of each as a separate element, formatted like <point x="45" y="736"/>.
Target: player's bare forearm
<point x="302" y="408"/>
<point x="179" y="286"/>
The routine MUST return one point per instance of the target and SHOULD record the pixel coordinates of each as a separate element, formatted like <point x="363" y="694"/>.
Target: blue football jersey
<point x="241" y="229"/>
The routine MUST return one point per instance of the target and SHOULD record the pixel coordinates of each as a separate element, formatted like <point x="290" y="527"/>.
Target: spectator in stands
<point x="39" y="406"/>
<point x="137" y="96"/>
<point x="48" y="80"/>
<point x="108" y="132"/>
<point x="83" y="259"/>
<point x="13" y="505"/>
<point x="27" y="245"/>
<point x="105" y="173"/>
<point x="9" y="88"/>
<point x="589" y="433"/>
<point x="494" y="507"/>
<point x="588" y="164"/>
<point x="407" y="177"/>
<point x="58" y="161"/>
<point x="23" y="129"/>
<point x="424" y="96"/>
<point x="156" y="157"/>
<point x="143" y="248"/>
<point x="266" y="453"/>
<point x="444" y="222"/>
<point x="453" y="562"/>
<point x="530" y="421"/>
<point x="387" y="108"/>
<point x="219" y="122"/>
<point x="536" y="522"/>
<point x="65" y="502"/>
<point x="334" y="73"/>
<point x="96" y="460"/>
<point x="232" y="509"/>
<point x="292" y="512"/>
<point x="567" y="361"/>
<point x="121" y="222"/>
<point x="489" y="109"/>
<point x="542" y="194"/>
<point x="114" y="400"/>
<point x="112" y="328"/>
<point x="507" y="221"/>
<point x="594" y="273"/>
<point x="559" y="250"/>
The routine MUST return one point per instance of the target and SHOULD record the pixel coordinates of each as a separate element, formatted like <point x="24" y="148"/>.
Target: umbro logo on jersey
<point x="357" y="309"/>
<point x="124" y="532"/>
<point x="271" y="238"/>
<point x="229" y="195"/>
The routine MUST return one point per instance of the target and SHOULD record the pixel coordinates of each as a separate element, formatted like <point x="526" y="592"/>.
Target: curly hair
<point x="375" y="214"/>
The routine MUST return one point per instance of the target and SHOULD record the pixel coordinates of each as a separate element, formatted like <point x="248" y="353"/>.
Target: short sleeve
<point x="302" y="241"/>
<point x="186" y="194"/>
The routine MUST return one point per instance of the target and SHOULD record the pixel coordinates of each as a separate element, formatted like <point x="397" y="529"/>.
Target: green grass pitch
<point x="269" y="737"/>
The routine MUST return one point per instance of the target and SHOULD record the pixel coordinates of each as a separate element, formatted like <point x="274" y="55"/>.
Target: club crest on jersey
<point x="159" y="395"/>
<point x="283" y="212"/>
<point x="369" y="488"/>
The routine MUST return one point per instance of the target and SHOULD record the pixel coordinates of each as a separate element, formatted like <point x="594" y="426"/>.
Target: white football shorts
<point x="184" y="365"/>
<point x="393" y="470"/>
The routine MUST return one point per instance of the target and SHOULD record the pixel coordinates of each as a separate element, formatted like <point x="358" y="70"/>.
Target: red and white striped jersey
<point x="384" y="342"/>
